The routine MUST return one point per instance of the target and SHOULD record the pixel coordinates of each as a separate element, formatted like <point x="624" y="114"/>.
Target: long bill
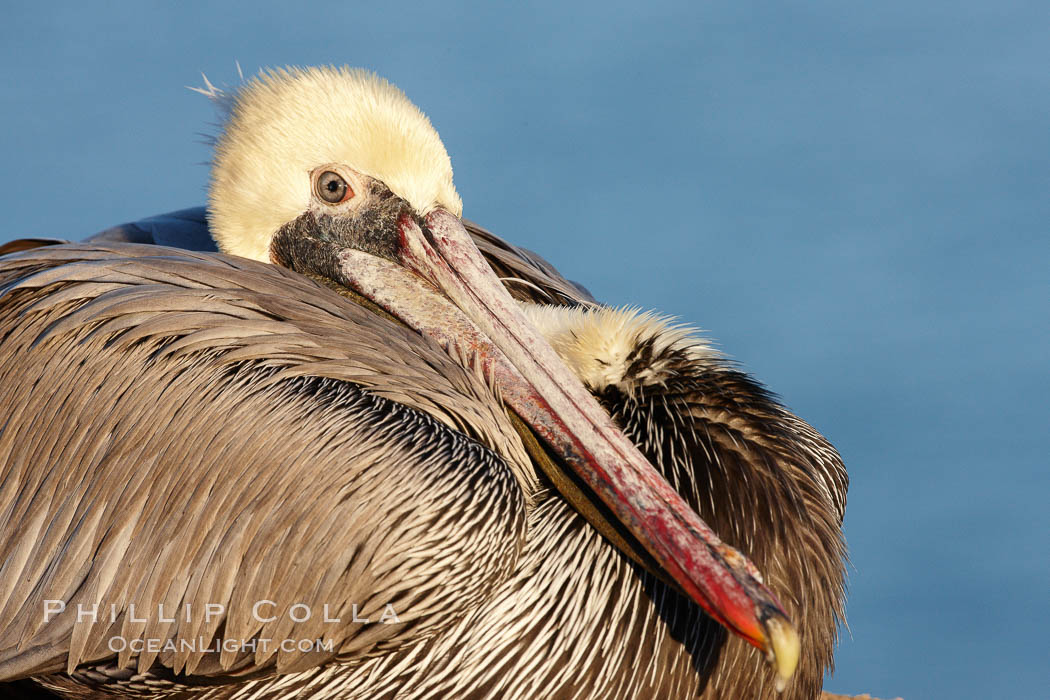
<point x="541" y="389"/>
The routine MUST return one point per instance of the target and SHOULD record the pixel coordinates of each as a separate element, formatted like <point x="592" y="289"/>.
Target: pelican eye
<point x="332" y="188"/>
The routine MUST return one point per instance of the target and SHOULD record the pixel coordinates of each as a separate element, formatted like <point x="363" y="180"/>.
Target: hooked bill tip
<point x="784" y="649"/>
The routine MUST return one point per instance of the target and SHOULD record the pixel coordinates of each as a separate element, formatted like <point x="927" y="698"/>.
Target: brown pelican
<point x="204" y="452"/>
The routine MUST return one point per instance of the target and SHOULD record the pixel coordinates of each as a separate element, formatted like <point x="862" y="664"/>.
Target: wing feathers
<point x="174" y="441"/>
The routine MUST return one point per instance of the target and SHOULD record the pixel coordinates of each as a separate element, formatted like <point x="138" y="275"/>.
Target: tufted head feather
<point x="284" y="123"/>
<point x="618" y="347"/>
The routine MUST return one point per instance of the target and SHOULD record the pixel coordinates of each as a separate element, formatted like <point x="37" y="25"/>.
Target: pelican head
<point x="285" y="124"/>
<point x="334" y="173"/>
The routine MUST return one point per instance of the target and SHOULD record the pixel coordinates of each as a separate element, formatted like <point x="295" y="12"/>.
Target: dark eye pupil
<point x="332" y="188"/>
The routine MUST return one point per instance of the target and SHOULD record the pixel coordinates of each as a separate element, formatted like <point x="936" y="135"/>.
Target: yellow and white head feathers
<point x="601" y="344"/>
<point x="284" y="123"/>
